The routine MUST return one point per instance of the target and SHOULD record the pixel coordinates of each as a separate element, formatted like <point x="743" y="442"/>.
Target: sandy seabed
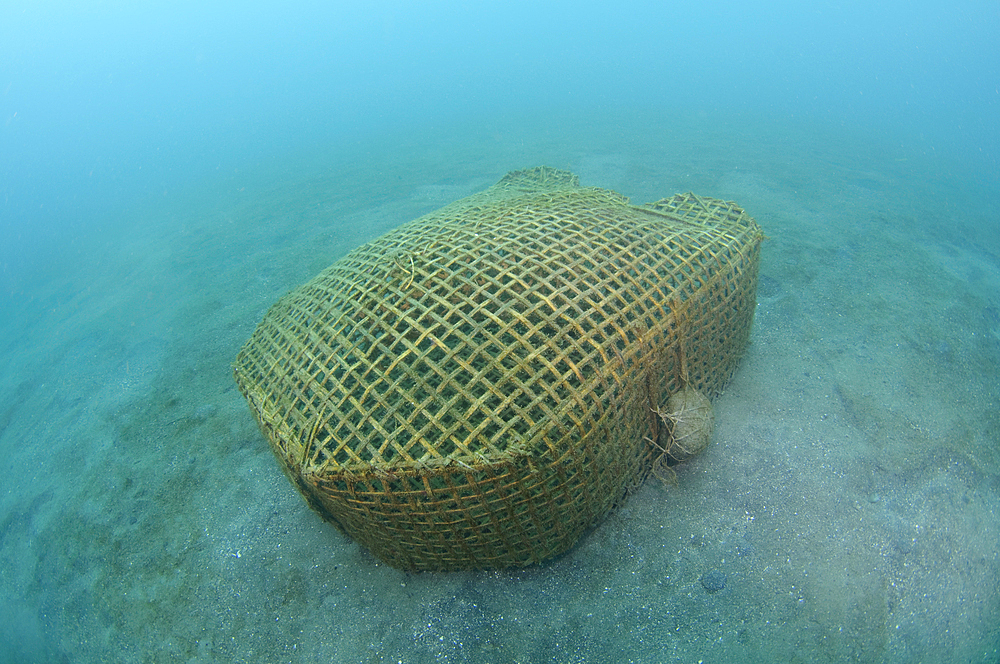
<point x="849" y="504"/>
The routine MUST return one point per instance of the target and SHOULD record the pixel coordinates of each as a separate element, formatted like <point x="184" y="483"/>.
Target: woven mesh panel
<point x="474" y="388"/>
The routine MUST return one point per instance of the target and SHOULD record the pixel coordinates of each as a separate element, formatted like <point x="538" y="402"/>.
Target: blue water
<point x="168" y="170"/>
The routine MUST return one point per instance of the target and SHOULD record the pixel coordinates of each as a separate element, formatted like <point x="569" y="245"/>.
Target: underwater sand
<point x="850" y="499"/>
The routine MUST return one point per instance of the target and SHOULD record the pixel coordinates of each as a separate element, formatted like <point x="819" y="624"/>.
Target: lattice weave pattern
<point x="474" y="388"/>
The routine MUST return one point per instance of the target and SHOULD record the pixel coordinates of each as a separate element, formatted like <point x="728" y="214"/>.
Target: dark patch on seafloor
<point x="713" y="581"/>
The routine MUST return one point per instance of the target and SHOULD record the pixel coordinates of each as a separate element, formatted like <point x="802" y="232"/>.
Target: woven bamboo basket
<point x="478" y="387"/>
